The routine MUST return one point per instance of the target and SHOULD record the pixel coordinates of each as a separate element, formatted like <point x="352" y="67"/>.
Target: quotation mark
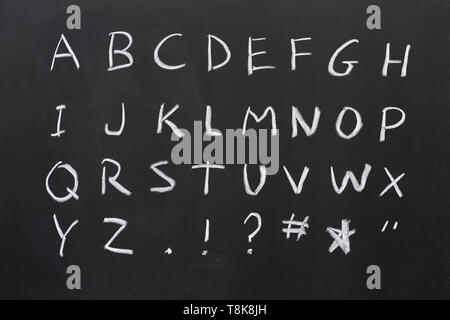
<point x="387" y="223"/>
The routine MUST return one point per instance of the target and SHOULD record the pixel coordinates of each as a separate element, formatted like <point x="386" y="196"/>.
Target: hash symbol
<point x="299" y="231"/>
<point x="341" y="237"/>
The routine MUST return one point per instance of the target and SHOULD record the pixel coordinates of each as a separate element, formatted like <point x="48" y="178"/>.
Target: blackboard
<point x="406" y="237"/>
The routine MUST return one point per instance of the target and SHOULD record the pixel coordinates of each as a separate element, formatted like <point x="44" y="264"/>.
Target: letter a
<point x="69" y="54"/>
<point x="374" y="20"/>
<point x="374" y="281"/>
<point x="74" y="280"/>
<point x="74" y="20"/>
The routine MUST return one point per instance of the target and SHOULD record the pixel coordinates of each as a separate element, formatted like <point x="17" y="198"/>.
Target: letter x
<point x="393" y="183"/>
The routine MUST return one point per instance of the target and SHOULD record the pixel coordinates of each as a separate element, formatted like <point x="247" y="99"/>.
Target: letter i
<point x="59" y="132"/>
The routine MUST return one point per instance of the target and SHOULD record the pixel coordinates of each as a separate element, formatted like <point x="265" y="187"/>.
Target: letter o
<point x="357" y="128"/>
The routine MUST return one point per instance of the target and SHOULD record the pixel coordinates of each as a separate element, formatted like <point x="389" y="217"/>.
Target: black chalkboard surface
<point x="383" y="236"/>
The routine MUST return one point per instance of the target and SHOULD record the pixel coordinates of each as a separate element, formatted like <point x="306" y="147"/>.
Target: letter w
<point x="358" y="186"/>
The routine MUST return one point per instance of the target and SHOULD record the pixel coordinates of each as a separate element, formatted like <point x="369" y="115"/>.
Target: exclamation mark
<point x="206" y="236"/>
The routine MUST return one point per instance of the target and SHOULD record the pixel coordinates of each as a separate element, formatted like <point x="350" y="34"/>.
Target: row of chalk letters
<point x="71" y="192"/>
<point x="124" y="52"/>
<point x="297" y="119"/>
<point x="340" y="237"/>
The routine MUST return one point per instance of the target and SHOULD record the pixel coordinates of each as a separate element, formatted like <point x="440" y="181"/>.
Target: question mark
<point x="257" y="216"/>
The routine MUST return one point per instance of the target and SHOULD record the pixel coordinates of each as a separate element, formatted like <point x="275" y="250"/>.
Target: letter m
<point x="259" y="119"/>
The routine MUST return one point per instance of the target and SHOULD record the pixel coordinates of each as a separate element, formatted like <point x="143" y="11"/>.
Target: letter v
<point x="297" y="187"/>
